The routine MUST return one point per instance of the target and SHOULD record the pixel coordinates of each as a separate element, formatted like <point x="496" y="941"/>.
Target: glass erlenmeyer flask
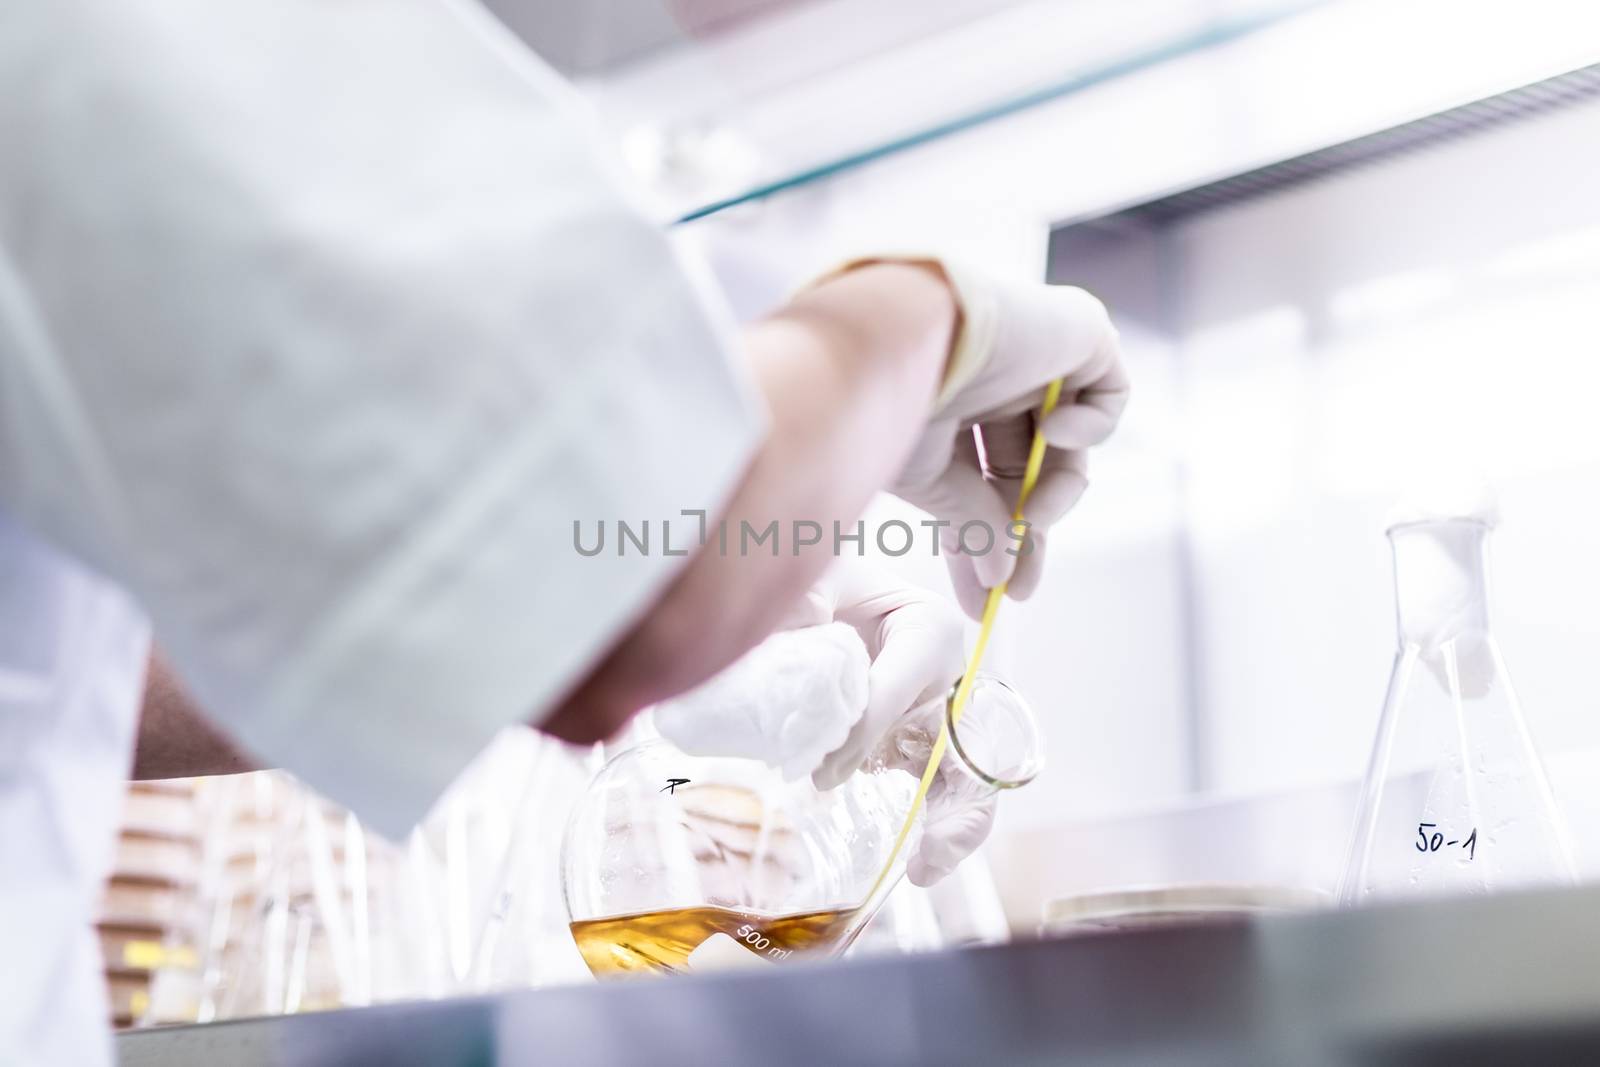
<point x="667" y="852"/>
<point x="1455" y="798"/>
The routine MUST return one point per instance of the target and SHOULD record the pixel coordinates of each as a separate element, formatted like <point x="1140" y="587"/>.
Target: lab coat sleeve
<point x="325" y="328"/>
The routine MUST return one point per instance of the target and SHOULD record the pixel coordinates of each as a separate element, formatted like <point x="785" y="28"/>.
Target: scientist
<point x="320" y="325"/>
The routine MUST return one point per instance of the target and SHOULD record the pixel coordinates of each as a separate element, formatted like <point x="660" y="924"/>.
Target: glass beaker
<point x="668" y="856"/>
<point x="1455" y="798"/>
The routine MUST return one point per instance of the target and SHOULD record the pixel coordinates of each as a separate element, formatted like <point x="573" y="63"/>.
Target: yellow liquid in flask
<point x="659" y="942"/>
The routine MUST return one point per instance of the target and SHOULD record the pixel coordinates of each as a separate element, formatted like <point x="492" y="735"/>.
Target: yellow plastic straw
<point x="991" y="608"/>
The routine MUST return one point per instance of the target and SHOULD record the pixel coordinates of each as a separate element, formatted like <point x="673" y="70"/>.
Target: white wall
<point x="1336" y="342"/>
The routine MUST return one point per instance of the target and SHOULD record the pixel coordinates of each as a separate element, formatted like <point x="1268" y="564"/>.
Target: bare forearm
<point x="176" y="740"/>
<point x="849" y="371"/>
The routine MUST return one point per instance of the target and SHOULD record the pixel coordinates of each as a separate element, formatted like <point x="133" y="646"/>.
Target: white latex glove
<point x="1015" y="338"/>
<point x="959" y="809"/>
<point x="801" y="701"/>
<point x="788" y="702"/>
<point x="855" y="654"/>
<point x="914" y="639"/>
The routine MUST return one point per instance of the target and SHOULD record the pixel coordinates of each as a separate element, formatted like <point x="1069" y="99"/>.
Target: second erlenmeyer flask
<point x="1455" y="799"/>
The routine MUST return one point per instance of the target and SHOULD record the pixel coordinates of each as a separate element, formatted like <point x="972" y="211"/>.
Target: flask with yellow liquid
<point x="675" y="863"/>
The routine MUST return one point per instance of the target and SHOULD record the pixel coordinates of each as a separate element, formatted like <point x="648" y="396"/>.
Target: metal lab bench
<point x="1513" y="979"/>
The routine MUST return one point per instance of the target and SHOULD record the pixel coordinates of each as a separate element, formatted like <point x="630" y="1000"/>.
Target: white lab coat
<point x="73" y="649"/>
<point x="320" y="325"/>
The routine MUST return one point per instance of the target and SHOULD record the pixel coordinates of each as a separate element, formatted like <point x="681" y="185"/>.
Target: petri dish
<point x="1142" y="907"/>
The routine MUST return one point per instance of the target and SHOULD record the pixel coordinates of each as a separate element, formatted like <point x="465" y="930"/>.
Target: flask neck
<point x="1441" y="581"/>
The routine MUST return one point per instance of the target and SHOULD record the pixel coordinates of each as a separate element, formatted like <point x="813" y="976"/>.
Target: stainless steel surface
<point x="1513" y="979"/>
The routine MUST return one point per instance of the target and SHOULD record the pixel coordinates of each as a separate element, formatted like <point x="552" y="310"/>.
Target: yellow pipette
<point x="991" y="608"/>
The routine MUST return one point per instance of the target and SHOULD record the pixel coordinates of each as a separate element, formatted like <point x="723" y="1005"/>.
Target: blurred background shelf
<point x="719" y="102"/>
<point x="779" y="94"/>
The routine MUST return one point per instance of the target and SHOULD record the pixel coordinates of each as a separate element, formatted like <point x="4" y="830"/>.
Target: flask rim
<point x="1032" y="765"/>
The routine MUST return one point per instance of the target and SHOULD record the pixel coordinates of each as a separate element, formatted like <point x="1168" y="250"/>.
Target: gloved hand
<point x="788" y="702"/>
<point x="1015" y="338"/>
<point x="959" y="809"/>
<point x="914" y="639"/>
<point x="853" y="655"/>
<point x="802" y="700"/>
